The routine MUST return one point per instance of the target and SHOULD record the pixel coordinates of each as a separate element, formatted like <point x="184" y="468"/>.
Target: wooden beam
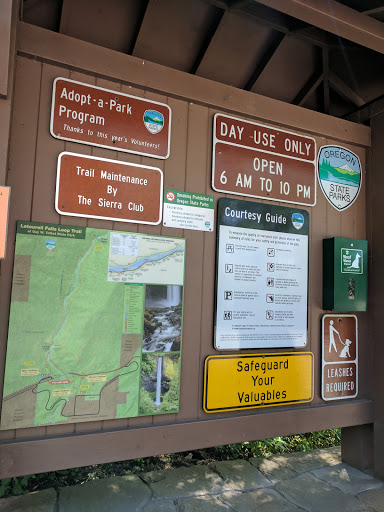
<point x="282" y="23"/>
<point x="264" y="61"/>
<point x="344" y="90"/>
<point x="366" y="112"/>
<point x="308" y="89"/>
<point x="377" y="10"/>
<point x="40" y="455"/>
<point x="334" y="17"/>
<point x="47" y="46"/>
<point x="5" y="44"/>
<point x="278" y="21"/>
<point x="326" y="98"/>
<point x="144" y="5"/>
<point x="207" y="40"/>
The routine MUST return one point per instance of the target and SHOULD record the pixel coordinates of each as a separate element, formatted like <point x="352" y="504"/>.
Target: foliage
<point x="148" y="365"/>
<point x="75" y="476"/>
<point x="147" y="405"/>
<point x="170" y="401"/>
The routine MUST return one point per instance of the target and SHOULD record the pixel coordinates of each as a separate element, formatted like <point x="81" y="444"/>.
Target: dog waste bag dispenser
<point x="345" y="269"/>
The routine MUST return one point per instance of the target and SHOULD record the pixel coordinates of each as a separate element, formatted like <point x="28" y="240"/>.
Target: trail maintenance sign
<point x="99" y="188"/>
<point x="340" y="357"/>
<point x="257" y="380"/>
<point x="255" y="160"/>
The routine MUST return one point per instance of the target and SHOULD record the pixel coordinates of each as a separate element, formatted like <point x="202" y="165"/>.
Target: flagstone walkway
<point x="315" y="481"/>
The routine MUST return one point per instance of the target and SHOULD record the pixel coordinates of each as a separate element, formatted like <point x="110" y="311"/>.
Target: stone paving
<point x="315" y="481"/>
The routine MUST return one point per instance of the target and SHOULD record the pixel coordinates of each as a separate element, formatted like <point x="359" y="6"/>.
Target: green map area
<point x="75" y="342"/>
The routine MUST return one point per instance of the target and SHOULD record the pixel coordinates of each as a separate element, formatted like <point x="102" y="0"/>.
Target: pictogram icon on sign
<point x="170" y="196"/>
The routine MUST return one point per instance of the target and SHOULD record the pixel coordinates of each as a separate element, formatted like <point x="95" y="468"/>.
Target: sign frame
<point x="324" y="363"/>
<point x="263" y="357"/>
<point x="116" y="94"/>
<point x="115" y="162"/>
<point x="264" y="126"/>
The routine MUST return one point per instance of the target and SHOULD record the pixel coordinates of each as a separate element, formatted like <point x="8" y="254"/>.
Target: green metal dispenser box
<point x="345" y="274"/>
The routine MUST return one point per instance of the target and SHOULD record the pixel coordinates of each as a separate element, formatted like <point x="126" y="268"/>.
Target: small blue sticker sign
<point x="153" y="121"/>
<point x="339" y="174"/>
<point x="50" y="244"/>
<point x="297" y="220"/>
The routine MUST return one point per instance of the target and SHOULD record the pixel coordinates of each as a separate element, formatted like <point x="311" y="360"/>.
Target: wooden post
<point x="376" y="295"/>
<point x="357" y="446"/>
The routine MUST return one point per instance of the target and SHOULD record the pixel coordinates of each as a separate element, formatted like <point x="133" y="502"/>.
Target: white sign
<point x="262" y="276"/>
<point x="187" y="210"/>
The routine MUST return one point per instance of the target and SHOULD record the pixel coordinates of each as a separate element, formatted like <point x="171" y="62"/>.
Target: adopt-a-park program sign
<point x="104" y="118"/>
<point x="261" y="276"/>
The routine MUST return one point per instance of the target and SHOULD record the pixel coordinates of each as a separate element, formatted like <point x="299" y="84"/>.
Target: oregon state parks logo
<point x="298" y="220"/>
<point x="339" y="174"/>
<point x="153" y="121"/>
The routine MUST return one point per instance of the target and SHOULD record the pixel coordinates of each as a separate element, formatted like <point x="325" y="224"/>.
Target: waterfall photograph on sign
<point x="162" y="318"/>
<point x="160" y="383"/>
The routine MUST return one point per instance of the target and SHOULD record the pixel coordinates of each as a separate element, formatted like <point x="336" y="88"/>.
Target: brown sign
<point x="255" y="160"/>
<point x="109" y="119"/>
<point x="340" y="357"/>
<point x="98" y="188"/>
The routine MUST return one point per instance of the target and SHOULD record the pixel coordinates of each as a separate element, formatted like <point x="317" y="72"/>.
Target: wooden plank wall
<point x="32" y="174"/>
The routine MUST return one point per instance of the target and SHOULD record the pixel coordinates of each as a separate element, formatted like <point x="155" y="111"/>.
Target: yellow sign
<point x="29" y="372"/>
<point x="4" y="207"/>
<point x="97" y="378"/>
<point x="61" y="392"/>
<point x="257" y="380"/>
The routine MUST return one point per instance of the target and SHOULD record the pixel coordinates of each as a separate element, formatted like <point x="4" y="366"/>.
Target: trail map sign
<point x="262" y="276"/>
<point x="109" y="119"/>
<point x="255" y="160"/>
<point x="257" y="380"/>
<point x="99" y="188"/>
<point x="95" y="326"/>
<point x="340" y="357"/>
